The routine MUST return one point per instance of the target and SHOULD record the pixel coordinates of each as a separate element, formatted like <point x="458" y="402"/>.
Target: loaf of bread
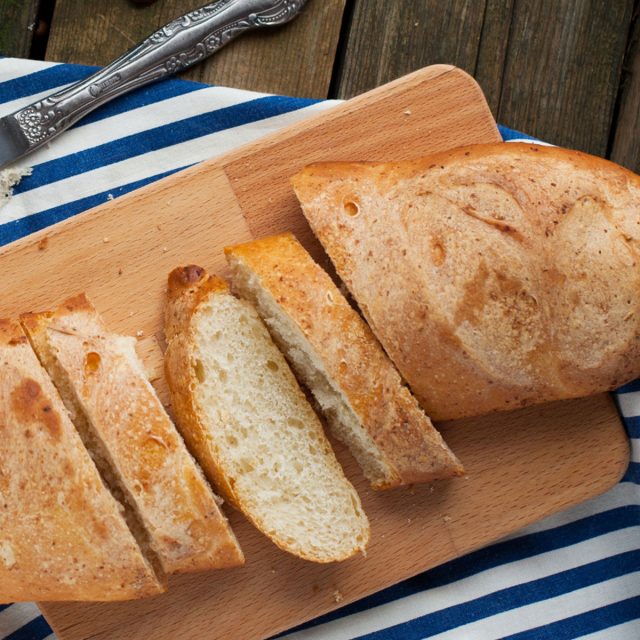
<point x="132" y="439"/>
<point x="250" y="426"/>
<point x="62" y="534"/>
<point x="495" y="276"/>
<point x="336" y="356"/>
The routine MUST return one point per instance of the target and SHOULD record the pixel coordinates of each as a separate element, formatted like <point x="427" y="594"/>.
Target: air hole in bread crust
<point x="91" y="362"/>
<point x="351" y="208"/>
<point x="198" y="369"/>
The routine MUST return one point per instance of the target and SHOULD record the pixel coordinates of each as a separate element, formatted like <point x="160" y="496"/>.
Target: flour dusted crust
<point x="62" y="534"/>
<point x="495" y="276"/>
<point x="104" y="384"/>
<point x="278" y="272"/>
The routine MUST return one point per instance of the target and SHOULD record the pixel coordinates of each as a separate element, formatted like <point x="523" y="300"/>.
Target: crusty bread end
<point x="495" y="276"/>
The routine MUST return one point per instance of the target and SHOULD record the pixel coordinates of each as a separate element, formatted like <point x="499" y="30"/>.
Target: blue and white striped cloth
<point x="573" y="575"/>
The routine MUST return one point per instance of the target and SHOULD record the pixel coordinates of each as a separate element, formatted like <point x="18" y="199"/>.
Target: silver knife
<point x="174" y="47"/>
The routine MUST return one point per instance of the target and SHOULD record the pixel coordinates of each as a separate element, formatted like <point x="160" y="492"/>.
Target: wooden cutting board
<point x="521" y="466"/>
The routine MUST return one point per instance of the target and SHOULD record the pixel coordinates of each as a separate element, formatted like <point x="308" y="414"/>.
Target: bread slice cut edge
<point x="337" y="357"/>
<point x="83" y="550"/>
<point x="342" y="418"/>
<point x="249" y="423"/>
<point x="35" y="326"/>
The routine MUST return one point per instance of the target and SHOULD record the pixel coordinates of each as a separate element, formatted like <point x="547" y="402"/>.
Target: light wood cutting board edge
<point x="415" y="79"/>
<point x="232" y="179"/>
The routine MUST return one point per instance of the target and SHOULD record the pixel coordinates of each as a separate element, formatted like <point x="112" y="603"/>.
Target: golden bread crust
<point x="495" y="276"/>
<point x="62" y="536"/>
<point x="178" y="509"/>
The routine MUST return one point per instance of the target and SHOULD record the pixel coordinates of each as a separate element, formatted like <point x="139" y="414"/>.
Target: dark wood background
<point x="567" y="71"/>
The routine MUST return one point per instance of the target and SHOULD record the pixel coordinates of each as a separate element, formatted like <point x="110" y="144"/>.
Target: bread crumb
<point x="165" y="249"/>
<point x="43" y="244"/>
<point x="431" y="488"/>
<point x="9" y="178"/>
<point x="110" y="196"/>
<point x="139" y="333"/>
<point x="407" y="112"/>
<point x="105" y="240"/>
<point x="447" y="518"/>
<point x="337" y="596"/>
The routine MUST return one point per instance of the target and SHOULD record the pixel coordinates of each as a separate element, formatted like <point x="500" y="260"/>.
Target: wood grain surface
<point x="271" y="61"/>
<point x="389" y="39"/>
<point x="548" y="67"/>
<point x="626" y="143"/>
<point x="563" y="58"/>
<point x="494" y="45"/>
<point x="17" y="23"/>
<point x="521" y="466"/>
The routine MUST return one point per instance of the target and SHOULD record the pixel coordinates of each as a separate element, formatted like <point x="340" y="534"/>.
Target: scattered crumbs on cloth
<point x="9" y="178"/>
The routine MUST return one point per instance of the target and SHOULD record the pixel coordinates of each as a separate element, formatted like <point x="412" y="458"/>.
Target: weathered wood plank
<point x="17" y="21"/>
<point x="626" y="143"/>
<point x="492" y="52"/>
<point x="296" y="59"/>
<point x="562" y="69"/>
<point x="388" y="39"/>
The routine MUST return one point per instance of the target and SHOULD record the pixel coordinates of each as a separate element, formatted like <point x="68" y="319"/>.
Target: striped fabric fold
<point x="576" y="574"/>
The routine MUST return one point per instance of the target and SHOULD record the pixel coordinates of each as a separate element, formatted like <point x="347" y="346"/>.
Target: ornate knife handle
<point x="174" y="47"/>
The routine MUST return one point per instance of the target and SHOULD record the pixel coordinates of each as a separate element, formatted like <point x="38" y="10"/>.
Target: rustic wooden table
<point x="565" y="70"/>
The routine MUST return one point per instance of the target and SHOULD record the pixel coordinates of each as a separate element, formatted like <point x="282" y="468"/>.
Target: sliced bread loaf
<point x="495" y="276"/>
<point x="62" y="534"/>
<point x="249" y="424"/>
<point x="335" y="354"/>
<point x="135" y="444"/>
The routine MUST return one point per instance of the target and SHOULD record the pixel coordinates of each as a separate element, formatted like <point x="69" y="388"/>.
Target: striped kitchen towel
<point x="576" y="574"/>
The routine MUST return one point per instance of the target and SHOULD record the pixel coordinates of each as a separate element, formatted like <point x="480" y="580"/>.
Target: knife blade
<point x="13" y="143"/>
<point x="172" y="48"/>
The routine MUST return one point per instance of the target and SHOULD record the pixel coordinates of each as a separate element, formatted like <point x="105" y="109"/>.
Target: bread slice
<point x="250" y="426"/>
<point x="337" y="357"/>
<point x="495" y="276"/>
<point x="62" y="534"/>
<point x="135" y="444"/>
